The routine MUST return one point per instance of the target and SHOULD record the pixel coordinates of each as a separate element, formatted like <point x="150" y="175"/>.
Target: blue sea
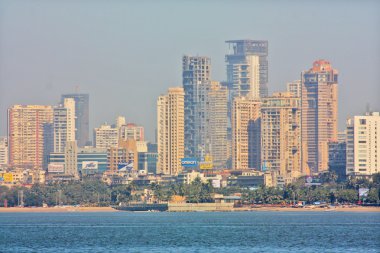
<point x="190" y="232"/>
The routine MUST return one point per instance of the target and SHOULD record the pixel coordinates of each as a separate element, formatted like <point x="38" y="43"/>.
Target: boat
<point x="142" y="207"/>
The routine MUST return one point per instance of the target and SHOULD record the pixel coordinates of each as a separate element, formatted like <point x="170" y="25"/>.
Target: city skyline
<point x="59" y="56"/>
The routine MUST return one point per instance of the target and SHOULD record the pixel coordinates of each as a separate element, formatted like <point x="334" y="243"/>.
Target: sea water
<point x="190" y="232"/>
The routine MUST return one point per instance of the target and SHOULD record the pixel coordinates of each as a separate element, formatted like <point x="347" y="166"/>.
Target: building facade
<point x="71" y="159"/>
<point x="363" y="144"/>
<point x="281" y="135"/>
<point x="105" y="136"/>
<point x="246" y="127"/>
<point x="85" y="156"/>
<point x="247" y="68"/>
<point x="319" y="101"/>
<point x="131" y="131"/>
<point x="64" y="124"/>
<point x="25" y="134"/>
<point x="195" y="70"/>
<point x="217" y="124"/>
<point x="170" y="131"/>
<point x="116" y="156"/>
<point x="3" y="151"/>
<point x="337" y="159"/>
<point x="294" y="88"/>
<point x="82" y="115"/>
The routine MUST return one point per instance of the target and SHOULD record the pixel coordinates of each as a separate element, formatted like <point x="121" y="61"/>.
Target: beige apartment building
<point x="105" y="136"/>
<point x="319" y="102"/>
<point x="170" y="131"/>
<point x="64" y="124"/>
<point x="3" y="151"/>
<point x="216" y="125"/>
<point x="281" y="135"/>
<point x="25" y="132"/>
<point x="363" y="144"/>
<point x="245" y="122"/>
<point x="294" y="88"/>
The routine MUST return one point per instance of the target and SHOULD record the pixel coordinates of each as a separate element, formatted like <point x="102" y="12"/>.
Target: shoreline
<point x="243" y="209"/>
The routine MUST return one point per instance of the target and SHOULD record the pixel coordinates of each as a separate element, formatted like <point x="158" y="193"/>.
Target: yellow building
<point x="281" y="135"/>
<point x="245" y="133"/>
<point x="170" y="131"/>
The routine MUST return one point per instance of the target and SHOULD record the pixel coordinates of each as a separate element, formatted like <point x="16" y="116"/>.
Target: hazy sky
<point x="126" y="53"/>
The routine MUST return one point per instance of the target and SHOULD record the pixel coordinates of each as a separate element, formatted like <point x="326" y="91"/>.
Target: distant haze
<point x="126" y="53"/>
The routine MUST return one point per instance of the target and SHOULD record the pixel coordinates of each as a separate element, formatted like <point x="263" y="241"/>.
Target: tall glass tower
<point x="82" y="114"/>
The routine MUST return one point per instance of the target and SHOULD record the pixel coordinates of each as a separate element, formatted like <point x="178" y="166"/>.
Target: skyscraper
<point x="247" y="68"/>
<point x="25" y="134"/>
<point x="64" y="124"/>
<point x="195" y="70"/>
<point x="170" y="131"/>
<point x="82" y="114"/>
<point x="319" y="102"/>
<point x="281" y="135"/>
<point x="363" y="144"/>
<point x="246" y="124"/>
<point x="216" y="124"/>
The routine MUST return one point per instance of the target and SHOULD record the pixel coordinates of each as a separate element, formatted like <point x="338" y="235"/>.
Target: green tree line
<point x="93" y="192"/>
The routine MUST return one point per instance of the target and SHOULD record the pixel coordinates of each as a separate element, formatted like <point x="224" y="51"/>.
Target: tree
<point x="373" y="195"/>
<point x="347" y="196"/>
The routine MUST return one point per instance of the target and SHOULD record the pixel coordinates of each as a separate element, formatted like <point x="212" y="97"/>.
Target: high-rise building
<point x="281" y="135"/>
<point x="3" y="151"/>
<point x="64" y="124"/>
<point x="319" y="102"/>
<point x="82" y="114"/>
<point x="363" y="144"/>
<point x="195" y="70"/>
<point x="71" y="159"/>
<point x="337" y="159"/>
<point x="48" y="132"/>
<point x="216" y="125"/>
<point x="25" y="134"/>
<point x="247" y="68"/>
<point x="105" y="136"/>
<point x="131" y="131"/>
<point x="170" y="131"/>
<point x="246" y="124"/>
<point x="294" y="88"/>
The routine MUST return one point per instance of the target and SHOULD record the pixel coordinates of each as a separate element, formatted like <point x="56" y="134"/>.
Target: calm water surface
<point x="190" y="232"/>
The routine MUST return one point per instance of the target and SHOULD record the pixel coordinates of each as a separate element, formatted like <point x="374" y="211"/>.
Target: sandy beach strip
<point x="312" y="209"/>
<point x="55" y="209"/>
